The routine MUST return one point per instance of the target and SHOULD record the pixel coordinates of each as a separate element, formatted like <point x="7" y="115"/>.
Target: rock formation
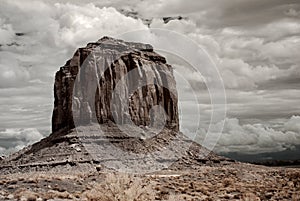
<point x="84" y="87"/>
<point x="76" y="164"/>
<point x="129" y="91"/>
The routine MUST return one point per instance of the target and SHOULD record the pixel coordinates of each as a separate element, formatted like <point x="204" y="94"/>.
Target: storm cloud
<point x="254" y="44"/>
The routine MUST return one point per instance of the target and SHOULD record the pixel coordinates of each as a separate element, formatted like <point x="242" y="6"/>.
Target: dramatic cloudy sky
<point x="254" y="44"/>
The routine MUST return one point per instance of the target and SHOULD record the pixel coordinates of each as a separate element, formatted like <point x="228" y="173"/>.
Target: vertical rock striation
<point x="113" y="80"/>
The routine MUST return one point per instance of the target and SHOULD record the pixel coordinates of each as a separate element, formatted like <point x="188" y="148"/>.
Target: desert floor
<point x="229" y="182"/>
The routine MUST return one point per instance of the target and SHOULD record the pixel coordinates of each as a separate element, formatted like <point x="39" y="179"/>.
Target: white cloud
<point x="57" y="28"/>
<point x="292" y="12"/>
<point x="6" y="33"/>
<point x="244" y="58"/>
<point x="255" y="45"/>
<point x="12" y="73"/>
<point x="12" y="140"/>
<point x="238" y="74"/>
<point x="293" y="124"/>
<point x="52" y="33"/>
<point x="255" y="138"/>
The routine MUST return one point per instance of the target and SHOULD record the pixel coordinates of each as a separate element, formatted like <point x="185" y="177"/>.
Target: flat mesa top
<point x="117" y="44"/>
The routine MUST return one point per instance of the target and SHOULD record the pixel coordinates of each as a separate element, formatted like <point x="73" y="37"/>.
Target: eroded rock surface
<point x="77" y="164"/>
<point x="86" y="89"/>
<point x="115" y="106"/>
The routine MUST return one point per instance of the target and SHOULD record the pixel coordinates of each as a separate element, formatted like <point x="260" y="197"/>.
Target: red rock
<point x="84" y="87"/>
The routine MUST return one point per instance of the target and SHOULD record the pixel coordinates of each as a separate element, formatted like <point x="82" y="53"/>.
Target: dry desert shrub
<point x="296" y="196"/>
<point x="174" y="197"/>
<point x="52" y="194"/>
<point x="120" y="187"/>
<point x="227" y="182"/>
<point x="23" y="194"/>
<point x="294" y="176"/>
<point x="250" y="197"/>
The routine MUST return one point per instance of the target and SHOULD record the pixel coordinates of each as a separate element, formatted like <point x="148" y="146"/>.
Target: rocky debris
<point x="232" y="182"/>
<point x="113" y="137"/>
<point x="76" y="163"/>
<point x="84" y="149"/>
<point x="82" y="78"/>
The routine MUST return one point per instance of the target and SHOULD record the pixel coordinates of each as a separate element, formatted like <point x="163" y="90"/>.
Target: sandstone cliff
<point x="130" y="91"/>
<point x="77" y="164"/>
<point x="84" y="87"/>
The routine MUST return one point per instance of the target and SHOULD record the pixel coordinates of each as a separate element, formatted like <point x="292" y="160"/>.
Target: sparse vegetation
<point x="238" y="182"/>
<point x="119" y="187"/>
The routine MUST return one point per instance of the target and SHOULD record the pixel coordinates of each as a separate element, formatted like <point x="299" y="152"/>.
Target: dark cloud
<point x="15" y="139"/>
<point x="226" y="13"/>
<point x="255" y="45"/>
<point x="255" y="138"/>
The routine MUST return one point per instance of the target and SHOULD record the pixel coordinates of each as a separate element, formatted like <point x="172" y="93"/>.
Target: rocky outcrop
<point x="113" y="80"/>
<point x="130" y="91"/>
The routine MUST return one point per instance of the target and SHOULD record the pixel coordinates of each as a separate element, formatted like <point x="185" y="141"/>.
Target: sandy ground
<point x="229" y="182"/>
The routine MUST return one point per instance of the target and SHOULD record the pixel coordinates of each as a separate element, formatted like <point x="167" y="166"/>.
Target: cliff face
<point x="119" y="85"/>
<point x="113" y="80"/>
